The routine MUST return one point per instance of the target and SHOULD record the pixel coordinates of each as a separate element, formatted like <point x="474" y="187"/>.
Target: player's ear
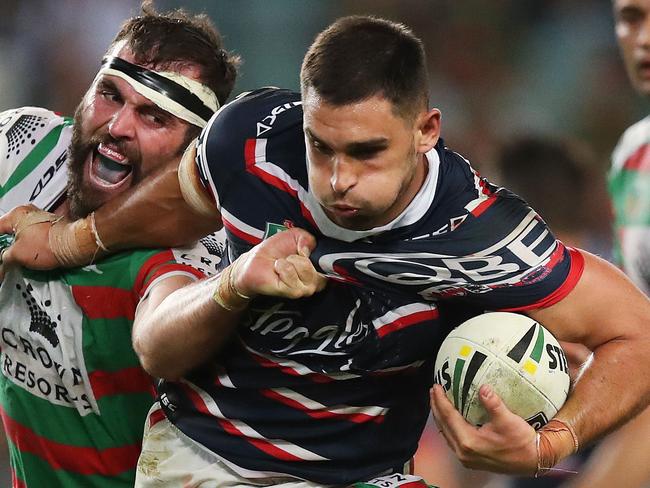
<point x="427" y="130"/>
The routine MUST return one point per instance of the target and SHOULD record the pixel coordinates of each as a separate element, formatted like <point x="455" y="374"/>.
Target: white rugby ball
<point x="520" y="359"/>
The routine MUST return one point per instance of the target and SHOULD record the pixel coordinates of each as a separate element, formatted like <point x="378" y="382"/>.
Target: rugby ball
<point x="520" y="359"/>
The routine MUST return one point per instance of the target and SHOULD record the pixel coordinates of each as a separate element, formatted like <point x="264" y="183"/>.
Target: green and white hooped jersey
<point x="73" y="397"/>
<point x="629" y="186"/>
<point x="33" y="151"/>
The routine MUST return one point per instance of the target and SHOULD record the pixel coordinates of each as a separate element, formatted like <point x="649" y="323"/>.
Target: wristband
<point x="226" y="294"/>
<point x="73" y="244"/>
<point x="93" y="229"/>
<point x="555" y="441"/>
<point x="231" y="281"/>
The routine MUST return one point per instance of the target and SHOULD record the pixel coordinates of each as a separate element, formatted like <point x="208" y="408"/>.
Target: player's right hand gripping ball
<point x="520" y="359"/>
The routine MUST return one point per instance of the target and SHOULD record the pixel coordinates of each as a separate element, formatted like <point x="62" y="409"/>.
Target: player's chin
<point x="356" y="222"/>
<point x="82" y="201"/>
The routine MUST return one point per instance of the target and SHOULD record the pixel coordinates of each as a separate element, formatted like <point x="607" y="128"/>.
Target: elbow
<point x="153" y="362"/>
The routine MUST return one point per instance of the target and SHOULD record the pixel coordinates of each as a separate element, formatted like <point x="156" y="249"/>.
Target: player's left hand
<point x="280" y="266"/>
<point x="505" y="444"/>
<point x="31" y="248"/>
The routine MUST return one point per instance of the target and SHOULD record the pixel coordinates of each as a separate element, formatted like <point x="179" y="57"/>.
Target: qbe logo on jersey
<point x="521" y="257"/>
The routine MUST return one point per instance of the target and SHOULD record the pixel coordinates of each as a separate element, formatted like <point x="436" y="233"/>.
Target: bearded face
<point x="119" y="137"/>
<point x="87" y="154"/>
<point x="104" y="162"/>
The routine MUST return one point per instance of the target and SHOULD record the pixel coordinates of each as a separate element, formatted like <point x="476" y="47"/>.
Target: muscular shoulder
<point x="256" y="113"/>
<point x="33" y="150"/>
<point x="260" y="114"/>
<point x="258" y="127"/>
<point x="633" y="139"/>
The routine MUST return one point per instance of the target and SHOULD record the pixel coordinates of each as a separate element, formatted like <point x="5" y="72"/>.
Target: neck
<point x="62" y="207"/>
<point x="408" y="192"/>
<point x="419" y="176"/>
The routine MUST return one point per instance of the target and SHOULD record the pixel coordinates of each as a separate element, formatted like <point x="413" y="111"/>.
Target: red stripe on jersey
<point x="251" y="167"/>
<point x="267" y="363"/>
<point x="555" y="258"/>
<point x="344" y="275"/>
<point x="240" y="233"/>
<point x="407" y="320"/>
<point x="575" y="272"/>
<point x="156" y="416"/>
<point x="264" y="446"/>
<point x="357" y="418"/>
<point x="127" y="380"/>
<point x="155" y="260"/>
<point x="81" y="460"/>
<point x="640" y="159"/>
<point x="414" y="484"/>
<point x="105" y="302"/>
<point x="232" y="429"/>
<point x="483" y="206"/>
<point x="168" y="268"/>
<point x="307" y="214"/>
<point x="17" y="482"/>
<point x="485" y="189"/>
<point x="249" y="152"/>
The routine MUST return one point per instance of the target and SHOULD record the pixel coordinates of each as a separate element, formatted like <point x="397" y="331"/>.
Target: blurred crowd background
<point x="502" y="72"/>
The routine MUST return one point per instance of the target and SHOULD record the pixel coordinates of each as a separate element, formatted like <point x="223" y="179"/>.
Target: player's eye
<point x="630" y="16"/>
<point x="110" y="95"/>
<point x="154" y="119"/>
<point x="365" y="153"/>
<point x="321" y="148"/>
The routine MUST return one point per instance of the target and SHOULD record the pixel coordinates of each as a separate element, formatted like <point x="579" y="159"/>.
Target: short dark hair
<point x="358" y="57"/>
<point x="171" y="39"/>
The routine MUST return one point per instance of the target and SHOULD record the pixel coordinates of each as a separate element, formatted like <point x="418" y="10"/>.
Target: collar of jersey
<point x="411" y="214"/>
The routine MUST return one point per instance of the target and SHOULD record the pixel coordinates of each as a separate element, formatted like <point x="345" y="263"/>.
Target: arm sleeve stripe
<point x="575" y="272"/>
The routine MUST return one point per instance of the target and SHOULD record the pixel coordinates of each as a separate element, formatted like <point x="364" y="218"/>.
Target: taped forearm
<point x="555" y="441"/>
<point x="590" y="413"/>
<point x="76" y="243"/>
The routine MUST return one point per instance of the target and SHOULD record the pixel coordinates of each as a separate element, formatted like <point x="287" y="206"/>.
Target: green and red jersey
<point x="629" y="186"/>
<point x="73" y="393"/>
<point x="73" y="397"/>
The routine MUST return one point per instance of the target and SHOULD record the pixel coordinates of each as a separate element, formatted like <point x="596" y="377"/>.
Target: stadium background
<point x="498" y="69"/>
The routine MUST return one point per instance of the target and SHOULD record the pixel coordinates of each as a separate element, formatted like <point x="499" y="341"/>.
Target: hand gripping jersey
<point x="73" y="397"/>
<point x="629" y="186"/>
<point x="334" y="388"/>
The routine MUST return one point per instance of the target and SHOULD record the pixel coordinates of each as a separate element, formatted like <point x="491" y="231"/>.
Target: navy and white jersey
<point x="334" y="388"/>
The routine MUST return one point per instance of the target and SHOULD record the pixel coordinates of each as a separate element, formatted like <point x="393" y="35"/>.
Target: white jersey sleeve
<point x="33" y="155"/>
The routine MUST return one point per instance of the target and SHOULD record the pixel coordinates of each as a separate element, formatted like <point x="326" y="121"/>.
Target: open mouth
<point x="643" y="68"/>
<point x="108" y="167"/>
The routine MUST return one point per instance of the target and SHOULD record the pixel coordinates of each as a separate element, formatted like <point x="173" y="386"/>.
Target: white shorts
<point x="170" y="459"/>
